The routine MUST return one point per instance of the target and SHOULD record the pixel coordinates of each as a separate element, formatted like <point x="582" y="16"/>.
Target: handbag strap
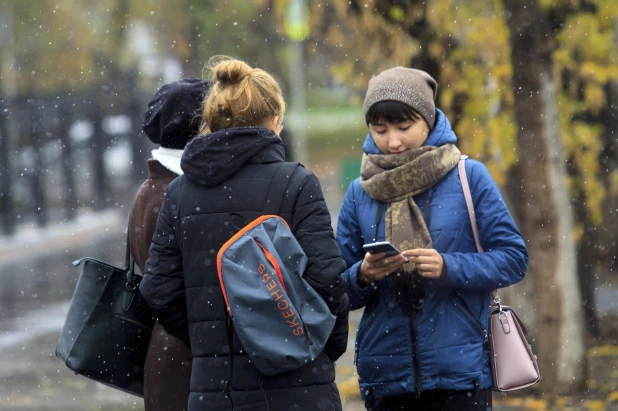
<point x="278" y="188"/>
<point x="468" y="195"/>
<point x="129" y="261"/>
<point x="463" y="176"/>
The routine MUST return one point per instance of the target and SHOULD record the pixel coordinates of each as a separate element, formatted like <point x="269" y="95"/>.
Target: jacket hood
<point x="211" y="159"/>
<point x="440" y="135"/>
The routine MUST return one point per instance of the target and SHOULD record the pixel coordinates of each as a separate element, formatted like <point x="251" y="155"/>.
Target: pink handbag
<point x="513" y="364"/>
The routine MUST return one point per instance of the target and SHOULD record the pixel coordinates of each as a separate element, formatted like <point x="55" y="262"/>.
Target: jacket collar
<point x="169" y="158"/>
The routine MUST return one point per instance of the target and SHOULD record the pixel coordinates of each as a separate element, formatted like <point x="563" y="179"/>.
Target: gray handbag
<point x="107" y="330"/>
<point x="514" y="366"/>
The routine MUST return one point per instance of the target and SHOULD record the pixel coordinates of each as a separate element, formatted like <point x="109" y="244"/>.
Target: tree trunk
<point x="141" y="148"/>
<point x="64" y="124"/>
<point x="598" y="249"/>
<point x="39" y="206"/>
<point x="193" y="65"/>
<point x="7" y="213"/>
<point x="608" y="233"/>
<point x="603" y="239"/>
<point x="543" y="203"/>
<point x="101" y="192"/>
<point x="587" y="266"/>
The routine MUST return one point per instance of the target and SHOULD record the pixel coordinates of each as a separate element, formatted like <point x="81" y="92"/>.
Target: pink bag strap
<point x="475" y="228"/>
<point x="466" y="190"/>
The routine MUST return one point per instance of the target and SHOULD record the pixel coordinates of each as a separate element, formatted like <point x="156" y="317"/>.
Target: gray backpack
<point x="281" y="321"/>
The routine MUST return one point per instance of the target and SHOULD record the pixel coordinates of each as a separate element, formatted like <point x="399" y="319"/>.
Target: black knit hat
<point x="173" y="115"/>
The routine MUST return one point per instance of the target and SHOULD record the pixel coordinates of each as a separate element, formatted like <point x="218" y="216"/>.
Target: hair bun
<point x="231" y="71"/>
<point x="237" y="102"/>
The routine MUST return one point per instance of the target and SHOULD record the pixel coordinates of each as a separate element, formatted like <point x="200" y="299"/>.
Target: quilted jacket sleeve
<point x="505" y="259"/>
<point x="350" y="242"/>
<point x="163" y="284"/>
<point x="311" y="225"/>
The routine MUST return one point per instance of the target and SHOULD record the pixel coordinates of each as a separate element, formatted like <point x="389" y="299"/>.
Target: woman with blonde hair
<point x="227" y="176"/>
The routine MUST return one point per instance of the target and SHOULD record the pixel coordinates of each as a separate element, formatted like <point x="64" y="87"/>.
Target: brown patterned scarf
<point x="395" y="179"/>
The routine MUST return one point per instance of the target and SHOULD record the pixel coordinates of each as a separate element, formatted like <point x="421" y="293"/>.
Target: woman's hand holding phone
<point x="429" y="262"/>
<point x="376" y="266"/>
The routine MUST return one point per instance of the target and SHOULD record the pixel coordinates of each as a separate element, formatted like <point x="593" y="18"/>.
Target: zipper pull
<point x="417" y="390"/>
<point x="477" y="388"/>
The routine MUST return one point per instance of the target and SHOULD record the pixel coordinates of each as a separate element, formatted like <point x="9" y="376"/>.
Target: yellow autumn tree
<point x="586" y="67"/>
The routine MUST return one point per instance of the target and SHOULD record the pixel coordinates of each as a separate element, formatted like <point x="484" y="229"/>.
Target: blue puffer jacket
<point x="444" y="346"/>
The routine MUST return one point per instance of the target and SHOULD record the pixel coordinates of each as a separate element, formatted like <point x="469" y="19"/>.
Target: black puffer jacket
<point x="231" y="172"/>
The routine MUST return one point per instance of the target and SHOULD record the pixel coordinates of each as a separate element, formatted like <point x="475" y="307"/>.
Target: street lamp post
<point x="297" y="29"/>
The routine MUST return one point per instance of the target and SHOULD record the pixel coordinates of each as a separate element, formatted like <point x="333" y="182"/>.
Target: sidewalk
<point x="30" y="240"/>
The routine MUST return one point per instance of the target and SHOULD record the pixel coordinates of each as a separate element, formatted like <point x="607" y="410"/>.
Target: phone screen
<point x="381" y="247"/>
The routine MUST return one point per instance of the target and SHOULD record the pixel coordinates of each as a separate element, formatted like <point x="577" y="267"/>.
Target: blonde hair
<point x="242" y="96"/>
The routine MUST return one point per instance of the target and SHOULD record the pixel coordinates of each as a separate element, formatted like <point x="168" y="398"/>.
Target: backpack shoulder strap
<point x="279" y="187"/>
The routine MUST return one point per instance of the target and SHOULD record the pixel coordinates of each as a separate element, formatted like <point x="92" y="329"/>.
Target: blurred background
<point x="530" y="87"/>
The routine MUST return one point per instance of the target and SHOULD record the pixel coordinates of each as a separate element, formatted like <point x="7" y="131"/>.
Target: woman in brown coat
<point x="172" y="119"/>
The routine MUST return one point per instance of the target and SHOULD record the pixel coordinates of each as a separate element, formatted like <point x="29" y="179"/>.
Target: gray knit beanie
<point x="413" y="87"/>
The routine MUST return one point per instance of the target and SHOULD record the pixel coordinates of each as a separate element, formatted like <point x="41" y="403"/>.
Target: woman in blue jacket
<point x="422" y="342"/>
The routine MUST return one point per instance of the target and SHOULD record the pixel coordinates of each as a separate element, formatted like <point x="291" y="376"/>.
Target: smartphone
<point x="382" y="247"/>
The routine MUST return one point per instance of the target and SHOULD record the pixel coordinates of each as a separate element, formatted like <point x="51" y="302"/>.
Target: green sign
<point x="297" y="21"/>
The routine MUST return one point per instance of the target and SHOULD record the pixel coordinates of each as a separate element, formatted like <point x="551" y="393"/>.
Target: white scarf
<point x="169" y="158"/>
